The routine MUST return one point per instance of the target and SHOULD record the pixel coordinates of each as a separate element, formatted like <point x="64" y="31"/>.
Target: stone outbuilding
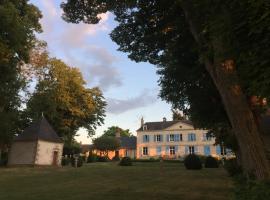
<point x="37" y="145"/>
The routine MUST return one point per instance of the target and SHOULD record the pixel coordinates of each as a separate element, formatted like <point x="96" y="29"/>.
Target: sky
<point x="130" y="89"/>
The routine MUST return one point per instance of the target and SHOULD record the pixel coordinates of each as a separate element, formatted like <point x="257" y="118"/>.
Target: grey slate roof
<point x="40" y="130"/>
<point x="155" y="126"/>
<point x="128" y="142"/>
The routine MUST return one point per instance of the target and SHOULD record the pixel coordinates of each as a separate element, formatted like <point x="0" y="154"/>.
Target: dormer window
<point x="144" y="127"/>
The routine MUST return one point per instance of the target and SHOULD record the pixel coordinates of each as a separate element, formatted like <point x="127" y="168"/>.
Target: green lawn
<point x="107" y="181"/>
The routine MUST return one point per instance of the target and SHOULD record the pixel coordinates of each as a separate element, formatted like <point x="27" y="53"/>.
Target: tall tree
<point x="111" y="132"/>
<point x="222" y="42"/>
<point x="105" y="144"/>
<point x="62" y="97"/>
<point x="19" y="21"/>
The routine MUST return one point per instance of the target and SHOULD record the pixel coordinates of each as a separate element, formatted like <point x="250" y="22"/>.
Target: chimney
<point x="117" y="134"/>
<point x="164" y="119"/>
<point x="142" y="121"/>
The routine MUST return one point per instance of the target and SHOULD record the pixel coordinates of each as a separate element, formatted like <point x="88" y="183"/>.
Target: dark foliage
<point x="4" y="159"/>
<point x="116" y="158"/>
<point x="211" y="162"/>
<point x="102" y="159"/>
<point x="79" y="163"/>
<point x="232" y="167"/>
<point x="65" y="161"/>
<point x="92" y="158"/>
<point x="126" y="161"/>
<point x="193" y="162"/>
<point x="251" y="189"/>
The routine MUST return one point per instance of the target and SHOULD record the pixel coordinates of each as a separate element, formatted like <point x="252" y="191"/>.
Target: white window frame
<point x="171" y="137"/>
<point x="172" y="150"/>
<point x="145" y="151"/>
<point x="158" y="138"/>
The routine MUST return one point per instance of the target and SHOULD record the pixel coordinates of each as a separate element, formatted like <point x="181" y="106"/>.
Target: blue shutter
<point x="168" y="138"/>
<point x="189" y="137"/>
<point x="195" y="149"/>
<point x="207" y="150"/>
<point x="167" y="150"/>
<point x="176" y="149"/>
<point x="194" y="135"/>
<point x="144" y="139"/>
<point x="148" y="139"/>
<point x="155" y="138"/>
<point x="177" y="137"/>
<point x="218" y="150"/>
<point x="186" y="150"/>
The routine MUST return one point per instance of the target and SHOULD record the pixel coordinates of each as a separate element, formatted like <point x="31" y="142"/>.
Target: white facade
<point x="175" y="142"/>
<point x="48" y="153"/>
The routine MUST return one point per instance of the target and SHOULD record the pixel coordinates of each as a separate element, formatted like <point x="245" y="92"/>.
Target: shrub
<point x="211" y="162"/>
<point x="251" y="189"/>
<point x="125" y="161"/>
<point x="79" y="163"/>
<point x="192" y="161"/>
<point x="102" y="159"/>
<point x="116" y="158"/>
<point x="65" y="161"/>
<point x="4" y="159"/>
<point x="146" y="160"/>
<point x="232" y="167"/>
<point x="202" y="158"/>
<point x="92" y="158"/>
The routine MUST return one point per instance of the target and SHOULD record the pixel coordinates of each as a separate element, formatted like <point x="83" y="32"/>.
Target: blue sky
<point x="131" y="89"/>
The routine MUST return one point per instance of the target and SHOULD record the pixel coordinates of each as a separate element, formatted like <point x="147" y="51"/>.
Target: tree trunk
<point x="224" y="75"/>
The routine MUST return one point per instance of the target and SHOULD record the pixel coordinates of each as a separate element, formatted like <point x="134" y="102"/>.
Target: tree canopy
<point x="106" y="143"/>
<point x="61" y="95"/>
<point x="212" y="56"/>
<point x="111" y="132"/>
<point x="19" y="22"/>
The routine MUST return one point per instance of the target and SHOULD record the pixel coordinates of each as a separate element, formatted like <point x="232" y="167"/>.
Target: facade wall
<point x="45" y="153"/>
<point x="22" y="153"/>
<point x="162" y="148"/>
<point x="122" y="153"/>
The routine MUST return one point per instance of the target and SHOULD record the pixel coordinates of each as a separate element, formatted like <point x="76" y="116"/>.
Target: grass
<point x="108" y="181"/>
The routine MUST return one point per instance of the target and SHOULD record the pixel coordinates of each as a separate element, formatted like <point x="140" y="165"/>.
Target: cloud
<point x="116" y="106"/>
<point x="73" y="43"/>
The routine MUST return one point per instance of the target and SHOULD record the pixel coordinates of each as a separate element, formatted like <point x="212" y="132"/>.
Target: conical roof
<point x="40" y="130"/>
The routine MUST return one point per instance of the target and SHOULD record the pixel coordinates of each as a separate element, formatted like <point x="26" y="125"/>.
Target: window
<point x="207" y="150"/>
<point x="171" y="137"/>
<point x="145" y="138"/>
<point x="158" y="150"/>
<point x="144" y="127"/>
<point x="191" y="137"/>
<point x="145" y="151"/>
<point x="172" y="150"/>
<point x="158" y="138"/>
<point x="191" y="150"/>
<point x="206" y="137"/>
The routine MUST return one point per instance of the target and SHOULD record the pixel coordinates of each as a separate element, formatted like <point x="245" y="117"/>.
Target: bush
<point x="65" y="161"/>
<point x="202" y="158"/>
<point x="232" y="167"/>
<point x="116" y="158"/>
<point x="146" y="160"/>
<point x="125" y="161"/>
<point x="192" y="161"/>
<point x="211" y="162"/>
<point x="4" y="159"/>
<point x="102" y="159"/>
<point x="251" y="189"/>
<point x="79" y="163"/>
<point x="92" y="158"/>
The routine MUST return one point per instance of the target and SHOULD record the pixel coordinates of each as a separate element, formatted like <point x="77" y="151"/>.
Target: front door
<point x="55" y="158"/>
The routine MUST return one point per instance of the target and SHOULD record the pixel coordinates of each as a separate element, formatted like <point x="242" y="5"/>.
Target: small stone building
<point x="38" y="145"/>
